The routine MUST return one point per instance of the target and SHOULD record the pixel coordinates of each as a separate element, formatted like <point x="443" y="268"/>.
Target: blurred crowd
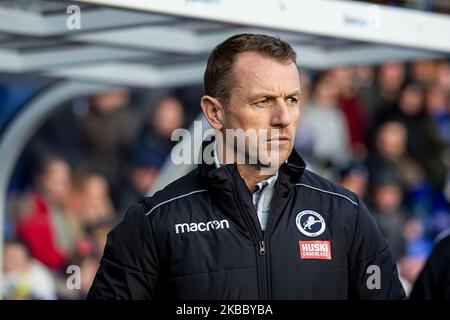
<point x="384" y="133"/>
<point x="80" y="172"/>
<point x="381" y="131"/>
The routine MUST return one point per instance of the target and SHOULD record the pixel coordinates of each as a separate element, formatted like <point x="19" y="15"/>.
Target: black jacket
<point x="200" y="238"/>
<point x="433" y="282"/>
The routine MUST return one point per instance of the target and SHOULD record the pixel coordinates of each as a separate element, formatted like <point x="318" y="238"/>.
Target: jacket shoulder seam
<point x="128" y="269"/>
<point x="329" y="192"/>
<point x="382" y="251"/>
<point x="175" y="198"/>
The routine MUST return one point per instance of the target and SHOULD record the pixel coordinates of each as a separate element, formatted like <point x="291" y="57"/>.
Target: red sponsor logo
<point x="315" y="250"/>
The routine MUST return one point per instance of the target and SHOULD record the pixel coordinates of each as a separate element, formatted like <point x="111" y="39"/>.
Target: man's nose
<point x="281" y="116"/>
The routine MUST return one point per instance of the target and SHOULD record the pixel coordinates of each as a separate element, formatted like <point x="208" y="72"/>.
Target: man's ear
<point x="213" y="111"/>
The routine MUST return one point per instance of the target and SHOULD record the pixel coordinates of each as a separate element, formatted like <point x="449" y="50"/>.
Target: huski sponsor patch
<point x="315" y="250"/>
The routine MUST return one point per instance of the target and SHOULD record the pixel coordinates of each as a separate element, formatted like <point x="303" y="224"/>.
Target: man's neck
<point x="252" y="174"/>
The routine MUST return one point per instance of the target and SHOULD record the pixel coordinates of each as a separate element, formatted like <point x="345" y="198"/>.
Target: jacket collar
<point x="228" y="190"/>
<point x="293" y="167"/>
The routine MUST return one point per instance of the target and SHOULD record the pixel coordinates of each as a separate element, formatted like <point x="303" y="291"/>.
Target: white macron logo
<point x="201" y="226"/>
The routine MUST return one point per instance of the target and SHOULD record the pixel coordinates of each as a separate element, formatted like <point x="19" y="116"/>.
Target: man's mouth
<point x="279" y="139"/>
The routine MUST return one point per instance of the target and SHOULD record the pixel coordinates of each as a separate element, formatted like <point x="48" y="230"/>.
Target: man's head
<point x="391" y="140"/>
<point x="252" y="83"/>
<point x="167" y="116"/>
<point x="54" y="179"/>
<point x="109" y="102"/>
<point x="16" y="259"/>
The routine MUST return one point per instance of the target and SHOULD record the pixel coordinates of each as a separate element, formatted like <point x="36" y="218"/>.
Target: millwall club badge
<point x="310" y="223"/>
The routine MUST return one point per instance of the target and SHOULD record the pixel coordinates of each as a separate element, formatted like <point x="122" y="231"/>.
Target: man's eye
<point x="264" y="102"/>
<point x="292" y="100"/>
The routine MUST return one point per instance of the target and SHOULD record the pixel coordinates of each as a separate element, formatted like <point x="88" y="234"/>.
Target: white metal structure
<point x="159" y="43"/>
<point x="342" y="19"/>
<point x="165" y="42"/>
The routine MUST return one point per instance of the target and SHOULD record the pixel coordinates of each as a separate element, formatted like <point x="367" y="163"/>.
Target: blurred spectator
<point x="189" y="96"/>
<point x="364" y="82"/>
<point x="423" y="141"/>
<point x="364" y="77"/>
<point x="390" y="156"/>
<point x="150" y="150"/>
<point x="89" y="267"/>
<point x="382" y="101"/>
<point x="90" y="199"/>
<point x="433" y="282"/>
<point x="155" y="135"/>
<point x="305" y="84"/>
<point x="98" y="235"/>
<point x="423" y="72"/>
<point x="24" y="277"/>
<point x="355" y="177"/>
<point x="108" y="130"/>
<point x="443" y="75"/>
<point x="326" y="126"/>
<point x="303" y="142"/>
<point x="142" y="173"/>
<point x="386" y="209"/>
<point x="42" y="220"/>
<point x="418" y="247"/>
<point x="61" y="134"/>
<point x="351" y="106"/>
<point x="437" y="101"/>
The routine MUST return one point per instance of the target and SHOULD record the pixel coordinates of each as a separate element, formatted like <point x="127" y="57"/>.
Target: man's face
<point x="56" y="181"/>
<point x="265" y="97"/>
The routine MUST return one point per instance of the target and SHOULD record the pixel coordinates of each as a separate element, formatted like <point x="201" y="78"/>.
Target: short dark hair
<point x="218" y="80"/>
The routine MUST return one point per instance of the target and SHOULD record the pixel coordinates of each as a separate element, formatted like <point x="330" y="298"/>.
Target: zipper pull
<point x="262" y="248"/>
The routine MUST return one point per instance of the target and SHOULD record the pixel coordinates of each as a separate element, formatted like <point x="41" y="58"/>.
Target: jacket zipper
<point x="261" y="239"/>
<point x="263" y="250"/>
<point x="261" y="253"/>
<point x="260" y="246"/>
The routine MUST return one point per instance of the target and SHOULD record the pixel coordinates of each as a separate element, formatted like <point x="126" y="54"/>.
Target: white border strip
<point x="172" y="199"/>
<point x="325" y="191"/>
